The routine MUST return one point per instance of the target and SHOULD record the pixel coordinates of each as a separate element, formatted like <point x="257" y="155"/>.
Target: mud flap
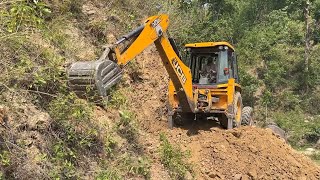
<point x="93" y="77"/>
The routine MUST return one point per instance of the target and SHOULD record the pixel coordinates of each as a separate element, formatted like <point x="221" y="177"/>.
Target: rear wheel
<point x="247" y="116"/>
<point x="223" y="121"/>
<point x="229" y="123"/>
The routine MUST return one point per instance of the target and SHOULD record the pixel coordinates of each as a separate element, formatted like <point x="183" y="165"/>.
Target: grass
<point x="127" y="128"/>
<point x="110" y="145"/>
<point x="135" y="165"/>
<point x="316" y="157"/>
<point x="109" y="175"/>
<point x="117" y="99"/>
<point x="174" y="159"/>
<point x="5" y="158"/>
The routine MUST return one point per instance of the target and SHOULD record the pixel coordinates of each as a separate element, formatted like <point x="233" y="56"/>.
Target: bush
<point x="302" y="129"/>
<point x="21" y="15"/>
<point x="135" y="165"/>
<point x="173" y="159"/>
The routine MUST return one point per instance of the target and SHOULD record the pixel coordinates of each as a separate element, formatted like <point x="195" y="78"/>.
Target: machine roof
<point x="209" y="44"/>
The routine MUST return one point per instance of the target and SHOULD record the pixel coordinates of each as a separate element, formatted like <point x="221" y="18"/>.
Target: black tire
<point x="247" y="116"/>
<point x="179" y="119"/>
<point x="223" y="119"/>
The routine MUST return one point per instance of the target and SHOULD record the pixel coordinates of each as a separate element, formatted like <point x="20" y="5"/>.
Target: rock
<point x="216" y="175"/>
<point x="277" y="131"/>
<point x="212" y="174"/>
<point x="245" y="177"/>
<point x="253" y="149"/>
<point x="112" y="39"/>
<point x="310" y="149"/>
<point x="237" y="134"/>
<point x="223" y="157"/>
<point x="318" y="144"/>
<point x="237" y="177"/>
<point x="253" y="174"/>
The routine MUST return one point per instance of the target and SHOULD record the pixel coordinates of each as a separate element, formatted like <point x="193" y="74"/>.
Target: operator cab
<point x="212" y="63"/>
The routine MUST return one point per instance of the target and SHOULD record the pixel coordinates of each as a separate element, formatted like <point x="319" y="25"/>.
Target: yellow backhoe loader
<point x="204" y="85"/>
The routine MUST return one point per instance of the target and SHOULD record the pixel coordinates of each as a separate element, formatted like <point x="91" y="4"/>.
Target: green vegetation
<point x="117" y="99"/>
<point x="174" y="159"/>
<point x="316" y="157"/>
<point x="279" y="63"/>
<point x="303" y="132"/>
<point x="38" y="40"/>
<point x="5" y="158"/>
<point x="108" y="175"/>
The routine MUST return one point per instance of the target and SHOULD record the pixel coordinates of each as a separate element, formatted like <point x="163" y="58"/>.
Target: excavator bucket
<point x="93" y="78"/>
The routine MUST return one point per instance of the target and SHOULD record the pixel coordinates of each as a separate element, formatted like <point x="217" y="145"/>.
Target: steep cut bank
<point x="243" y="153"/>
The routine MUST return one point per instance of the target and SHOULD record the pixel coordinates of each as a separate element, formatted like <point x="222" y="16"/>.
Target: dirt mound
<point x="244" y="153"/>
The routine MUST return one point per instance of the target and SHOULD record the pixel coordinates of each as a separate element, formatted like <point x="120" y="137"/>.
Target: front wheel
<point x="225" y="123"/>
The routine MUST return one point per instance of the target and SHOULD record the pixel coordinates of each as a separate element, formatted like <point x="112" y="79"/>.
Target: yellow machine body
<point x="211" y="99"/>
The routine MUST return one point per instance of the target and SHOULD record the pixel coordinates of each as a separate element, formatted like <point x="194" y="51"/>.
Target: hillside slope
<point x="46" y="132"/>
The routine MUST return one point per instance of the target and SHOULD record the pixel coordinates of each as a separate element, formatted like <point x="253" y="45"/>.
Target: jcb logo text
<point x="179" y="71"/>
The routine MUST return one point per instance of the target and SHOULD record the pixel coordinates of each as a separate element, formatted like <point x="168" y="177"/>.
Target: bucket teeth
<point x="93" y="78"/>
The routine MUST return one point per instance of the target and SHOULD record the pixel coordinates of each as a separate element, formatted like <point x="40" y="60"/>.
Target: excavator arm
<point x="107" y="71"/>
